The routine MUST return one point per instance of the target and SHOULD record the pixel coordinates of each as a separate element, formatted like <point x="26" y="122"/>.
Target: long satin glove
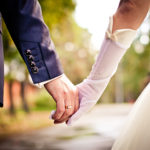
<point x="112" y="50"/>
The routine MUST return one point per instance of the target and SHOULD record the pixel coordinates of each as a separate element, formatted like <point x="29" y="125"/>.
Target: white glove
<point x="112" y="50"/>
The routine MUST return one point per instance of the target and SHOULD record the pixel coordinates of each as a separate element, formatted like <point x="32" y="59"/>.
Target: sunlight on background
<point x="94" y="15"/>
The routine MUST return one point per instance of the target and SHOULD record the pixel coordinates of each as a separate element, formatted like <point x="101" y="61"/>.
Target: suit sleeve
<point x="25" y="23"/>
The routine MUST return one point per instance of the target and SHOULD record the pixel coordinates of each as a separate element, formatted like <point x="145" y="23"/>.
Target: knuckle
<point x="73" y="93"/>
<point x="65" y="92"/>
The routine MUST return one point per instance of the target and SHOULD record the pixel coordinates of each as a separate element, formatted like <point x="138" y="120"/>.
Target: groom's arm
<point x="25" y="23"/>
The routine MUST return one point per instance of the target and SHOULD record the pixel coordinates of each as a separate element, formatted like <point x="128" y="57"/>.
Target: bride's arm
<point x="119" y="36"/>
<point x="130" y="14"/>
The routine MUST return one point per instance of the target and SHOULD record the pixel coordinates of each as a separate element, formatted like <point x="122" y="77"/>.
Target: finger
<point x="84" y="108"/>
<point x="68" y="112"/>
<point x="75" y="117"/>
<point x="66" y="116"/>
<point x="76" y="103"/>
<point x="60" y="109"/>
<point x="59" y="122"/>
<point x="51" y="117"/>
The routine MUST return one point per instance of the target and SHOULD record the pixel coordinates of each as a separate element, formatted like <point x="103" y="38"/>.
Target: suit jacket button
<point x="34" y="69"/>
<point x="30" y="58"/>
<point x="28" y="52"/>
<point x="32" y="64"/>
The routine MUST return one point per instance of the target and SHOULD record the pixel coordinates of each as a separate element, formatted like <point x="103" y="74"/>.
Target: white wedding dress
<point x="136" y="133"/>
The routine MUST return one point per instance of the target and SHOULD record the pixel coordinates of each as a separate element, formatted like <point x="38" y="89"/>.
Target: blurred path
<point x="95" y="131"/>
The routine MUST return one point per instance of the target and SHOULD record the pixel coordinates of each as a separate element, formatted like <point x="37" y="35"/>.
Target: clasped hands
<point x="66" y="97"/>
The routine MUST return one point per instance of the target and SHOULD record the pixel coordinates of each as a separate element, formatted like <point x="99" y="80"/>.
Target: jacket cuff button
<point x="34" y="70"/>
<point x="32" y="64"/>
<point x="30" y="58"/>
<point x="28" y="52"/>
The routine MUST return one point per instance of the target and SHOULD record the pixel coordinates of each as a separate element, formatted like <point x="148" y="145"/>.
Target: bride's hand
<point x="88" y="97"/>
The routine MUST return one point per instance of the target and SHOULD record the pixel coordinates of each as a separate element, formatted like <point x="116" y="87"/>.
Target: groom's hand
<point x="65" y="94"/>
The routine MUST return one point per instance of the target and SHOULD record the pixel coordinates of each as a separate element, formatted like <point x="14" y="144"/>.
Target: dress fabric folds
<point x="135" y="134"/>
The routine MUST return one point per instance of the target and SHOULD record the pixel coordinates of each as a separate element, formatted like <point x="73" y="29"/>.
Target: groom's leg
<point x="119" y="36"/>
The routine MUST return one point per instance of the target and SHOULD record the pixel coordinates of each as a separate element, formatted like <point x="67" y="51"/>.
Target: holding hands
<point x="112" y="50"/>
<point x="91" y="89"/>
<point x="65" y="95"/>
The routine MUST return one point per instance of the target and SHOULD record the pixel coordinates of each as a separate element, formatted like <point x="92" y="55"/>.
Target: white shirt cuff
<point x="41" y="84"/>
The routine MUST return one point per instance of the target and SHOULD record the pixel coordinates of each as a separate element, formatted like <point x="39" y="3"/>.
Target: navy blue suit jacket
<point x="24" y="21"/>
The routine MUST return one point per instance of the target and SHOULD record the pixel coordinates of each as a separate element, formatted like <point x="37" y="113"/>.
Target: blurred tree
<point x="136" y="63"/>
<point x="14" y="70"/>
<point x="136" y="67"/>
<point x="56" y="12"/>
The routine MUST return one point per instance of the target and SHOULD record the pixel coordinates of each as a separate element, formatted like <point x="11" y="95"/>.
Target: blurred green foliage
<point x="55" y="12"/>
<point x="43" y="102"/>
<point x="136" y="68"/>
